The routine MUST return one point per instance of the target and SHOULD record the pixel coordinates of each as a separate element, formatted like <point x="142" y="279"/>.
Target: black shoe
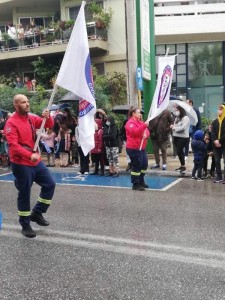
<point x="146" y="186"/>
<point x="115" y="175"/>
<point x="101" y="173"/>
<point x="182" y="170"/>
<point x="38" y="218"/>
<point x="94" y="173"/>
<point x="28" y="232"/>
<point x="109" y="174"/>
<point x="138" y="187"/>
<point x="178" y="169"/>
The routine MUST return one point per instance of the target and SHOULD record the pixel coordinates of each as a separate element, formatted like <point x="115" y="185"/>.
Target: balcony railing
<point x="168" y="8"/>
<point x="49" y="37"/>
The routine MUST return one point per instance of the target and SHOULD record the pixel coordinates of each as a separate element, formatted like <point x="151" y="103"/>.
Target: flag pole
<point x="44" y="120"/>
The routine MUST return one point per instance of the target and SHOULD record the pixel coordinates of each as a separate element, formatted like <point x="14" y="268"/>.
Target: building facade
<point x="195" y="30"/>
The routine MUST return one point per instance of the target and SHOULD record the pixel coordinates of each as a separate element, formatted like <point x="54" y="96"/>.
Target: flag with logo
<point x="75" y="75"/>
<point x="161" y="97"/>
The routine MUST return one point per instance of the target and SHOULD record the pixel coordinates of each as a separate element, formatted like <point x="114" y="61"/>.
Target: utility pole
<point x="130" y="10"/>
<point x="147" y="61"/>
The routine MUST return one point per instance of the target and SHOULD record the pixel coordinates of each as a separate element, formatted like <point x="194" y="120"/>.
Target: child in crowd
<point x="49" y="140"/>
<point x="64" y="140"/>
<point x="199" y="148"/>
<point x="98" y="151"/>
<point x="207" y="134"/>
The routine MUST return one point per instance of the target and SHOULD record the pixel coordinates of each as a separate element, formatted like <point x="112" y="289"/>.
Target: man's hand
<point x="35" y="157"/>
<point x="46" y="113"/>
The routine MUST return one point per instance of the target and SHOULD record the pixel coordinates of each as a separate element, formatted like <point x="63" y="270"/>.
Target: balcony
<point x="189" y="21"/>
<point x="49" y="43"/>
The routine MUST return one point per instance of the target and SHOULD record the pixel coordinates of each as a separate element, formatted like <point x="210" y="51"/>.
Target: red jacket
<point x="20" y="135"/>
<point x="99" y="145"/>
<point x="135" y="130"/>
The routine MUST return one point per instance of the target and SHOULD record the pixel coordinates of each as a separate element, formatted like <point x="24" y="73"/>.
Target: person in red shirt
<point x="137" y="134"/>
<point x="27" y="167"/>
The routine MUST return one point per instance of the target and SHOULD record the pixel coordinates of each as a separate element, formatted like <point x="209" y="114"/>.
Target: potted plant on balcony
<point x="101" y="16"/>
<point x="6" y="39"/>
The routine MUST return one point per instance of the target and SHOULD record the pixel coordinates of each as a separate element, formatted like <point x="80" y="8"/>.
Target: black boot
<point x="28" y="232"/>
<point x="138" y="187"/>
<point x="146" y="186"/>
<point x="38" y="218"/>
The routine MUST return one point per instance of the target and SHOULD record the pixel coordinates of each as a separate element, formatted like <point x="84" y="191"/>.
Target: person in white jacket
<point x="180" y="130"/>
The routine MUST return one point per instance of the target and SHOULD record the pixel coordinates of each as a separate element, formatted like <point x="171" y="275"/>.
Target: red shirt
<point x="20" y="134"/>
<point x="135" y="130"/>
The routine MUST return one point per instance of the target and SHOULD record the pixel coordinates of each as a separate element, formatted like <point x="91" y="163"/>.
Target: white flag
<point x="75" y="75"/>
<point x="161" y="97"/>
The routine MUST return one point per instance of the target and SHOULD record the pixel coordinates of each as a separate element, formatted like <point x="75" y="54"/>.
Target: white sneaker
<point x="86" y="173"/>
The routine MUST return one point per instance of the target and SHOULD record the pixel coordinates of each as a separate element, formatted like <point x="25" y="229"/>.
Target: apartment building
<point x="107" y="46"/>
<point x="195" y="30"/>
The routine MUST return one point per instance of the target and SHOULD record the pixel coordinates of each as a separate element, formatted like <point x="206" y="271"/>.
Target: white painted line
<point x="195" y="256"/>
<point x="171" y="184"/>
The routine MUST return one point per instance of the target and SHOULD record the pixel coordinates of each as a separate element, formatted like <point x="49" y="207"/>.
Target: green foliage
<point x="6" y="96"/>
<point x="44" y="72"/>
<point x="110" y="90"/>
<point x="205" y="122"/>
<point x="101" y="16"/>
<point x="8" y="79"/>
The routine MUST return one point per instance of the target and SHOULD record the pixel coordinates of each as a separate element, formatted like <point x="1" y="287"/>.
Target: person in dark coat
<point x="208" y="134"/>
<point x="110" y="138"/>
<point x="218" y="139"/>
<point x="193" y="128"/>
<point x="199" y="148"/>
<point x="160" y="128"/>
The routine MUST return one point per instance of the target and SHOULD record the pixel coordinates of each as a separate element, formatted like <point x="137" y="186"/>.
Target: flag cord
<point x="44" y="120"/>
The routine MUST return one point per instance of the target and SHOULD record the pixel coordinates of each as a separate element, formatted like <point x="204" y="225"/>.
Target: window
<point x="39" y="21"/>
<point x="73" y="12"/>
<point x="205" y="64"/>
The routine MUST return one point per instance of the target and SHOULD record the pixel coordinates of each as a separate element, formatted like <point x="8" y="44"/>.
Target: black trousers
<point x="180" y="143"/>
<point x="84" y="161"/>
<point x="139" y="165"/>
<point x="24" y="178"/>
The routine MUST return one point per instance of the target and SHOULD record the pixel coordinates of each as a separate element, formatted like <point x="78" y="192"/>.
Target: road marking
<point x="171" y="184"/>
<point x="173" y="253"/>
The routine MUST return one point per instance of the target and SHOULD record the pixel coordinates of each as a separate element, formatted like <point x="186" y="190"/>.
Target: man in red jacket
<point x="27" y="167"/>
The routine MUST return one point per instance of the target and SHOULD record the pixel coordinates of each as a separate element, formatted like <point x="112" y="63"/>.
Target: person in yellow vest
<point x="218" y="140"/>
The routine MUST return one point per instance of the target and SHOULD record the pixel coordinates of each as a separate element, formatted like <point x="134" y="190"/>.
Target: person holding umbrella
<point x="137" y="134"/>
<point x="180" y="130"/>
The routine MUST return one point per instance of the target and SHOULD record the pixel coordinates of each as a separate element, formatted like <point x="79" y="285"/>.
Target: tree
<point x="45" y="71"/>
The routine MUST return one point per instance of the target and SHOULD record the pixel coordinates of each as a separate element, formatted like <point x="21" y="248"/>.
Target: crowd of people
<point x="21" y="36"/>
<point x="28" y="83"/>
<point x="60" y="140"/>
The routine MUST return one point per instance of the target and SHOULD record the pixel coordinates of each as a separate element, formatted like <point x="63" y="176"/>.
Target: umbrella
<point x="59" y="106"/>
<point x="123" y="109"/>
<point x="3" y="113"/>
<point x="69" y="97"/>
<point x="189" y="110"/>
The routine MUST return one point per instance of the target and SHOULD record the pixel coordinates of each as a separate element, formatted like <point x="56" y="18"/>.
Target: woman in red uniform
<point x="137" y="134"/>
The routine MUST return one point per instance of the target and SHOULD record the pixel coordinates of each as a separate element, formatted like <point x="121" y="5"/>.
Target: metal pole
<point x="149" y="86"/>
<point x="131" y="52"/>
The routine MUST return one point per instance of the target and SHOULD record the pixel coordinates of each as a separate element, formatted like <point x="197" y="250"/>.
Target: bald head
<point x="21" y="104"/>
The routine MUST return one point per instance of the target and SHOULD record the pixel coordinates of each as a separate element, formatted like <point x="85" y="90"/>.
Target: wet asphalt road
<point x="109" y="244"/>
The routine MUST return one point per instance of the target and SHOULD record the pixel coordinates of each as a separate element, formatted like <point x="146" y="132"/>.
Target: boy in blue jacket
<point x="199" y="148"/>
